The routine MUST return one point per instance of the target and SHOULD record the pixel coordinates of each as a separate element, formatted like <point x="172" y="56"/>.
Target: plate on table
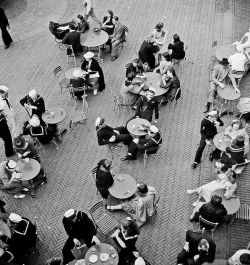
<point x="93" y="258"/>
<point x="104" y="256"/>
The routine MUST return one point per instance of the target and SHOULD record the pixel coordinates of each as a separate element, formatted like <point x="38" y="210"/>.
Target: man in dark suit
<point x="80" y="229"/>
<point x="197" y="249"/>
<point x="73" y="38"/>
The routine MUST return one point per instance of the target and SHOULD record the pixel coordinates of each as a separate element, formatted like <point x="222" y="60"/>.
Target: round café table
<point x="103" y="248"/>
<point x="244" y="105"/>
<point x="29" y="170"/>
<point x="225" y="51"/>
<point x="222" y="141"/>
<point x="232" y="205"/>
<point x="91" y="39"/>
<point x="124" y="186"/>
<point x="134" y="124"/>
<point x="69" y="73"/>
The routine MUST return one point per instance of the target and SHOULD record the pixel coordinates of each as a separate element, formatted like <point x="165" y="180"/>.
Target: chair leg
<point x="56" y="145"/>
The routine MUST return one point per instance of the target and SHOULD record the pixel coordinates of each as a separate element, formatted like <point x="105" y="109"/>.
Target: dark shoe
<point x="194" y="165"/>
<point x="114" y="58"/>
<point x="128" y="157"/>
<point x="211" y="158"/>
<point x="6" y="46"/>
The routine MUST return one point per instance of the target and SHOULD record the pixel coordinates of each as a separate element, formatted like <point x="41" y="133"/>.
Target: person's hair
<point x="216" y="200"/>
<point x="72" y="26"/>
<point x="245" y="259"/>
<point x="176" y="38"/>
<point x="237" y="122"/>
<point x="81" y="18"/>
<point x="101" y="123"/>
<point x="142" y="188"/>
<point x="203" y="243"/>
<point x="159" y="25"/>
<point x="171" y="70"/>
<point x="239" y="141"/>
<point x="102" y="163"/>
<point x="130" y="76"/>
<point x="224" y="169"/>
<point x="167" y="56"/>
<point x="116" y="18"/>
<point x="130" y="227"/>
<point x="110" y="12"/>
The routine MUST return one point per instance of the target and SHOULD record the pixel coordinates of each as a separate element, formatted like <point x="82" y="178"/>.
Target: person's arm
<point x="89" y="6"/>
<point x="221" y="123"/>
<point x="228" y="130"/>
<point x="214" y="77"/>
<point x="23" y="101"/>
<point x="232" y="78"/>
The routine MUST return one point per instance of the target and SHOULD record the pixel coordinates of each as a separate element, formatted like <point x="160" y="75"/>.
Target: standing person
<point x="4" y="24"/>
<point x="80" y="229"/>
<point x="7" y="111"/>
<point x="89" y="11"/>
<point x="118" y="36"/>
<point x="5" y="133"/>
<point x="208" y="131"/>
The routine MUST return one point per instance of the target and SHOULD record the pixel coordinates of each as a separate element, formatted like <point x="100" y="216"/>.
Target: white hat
<point x="88" y="55"/>
<point x="77" y="73"/>
<point x="2" y="105"/>
<point x="154" y="129"/>
<point x="212" y="113"/>
<point x="17" y="175"/>
<point x="99" y="121"/>
<point x="15" y="218"/>
<point x="11" y="164"/>
<point x="34" y="121"/>
<point x="69" y="213"/>
<point x="140" y="261"/>
<point x="152" y="89"/>
<point x="4" y="88"/>
<point x="32" y="93"/>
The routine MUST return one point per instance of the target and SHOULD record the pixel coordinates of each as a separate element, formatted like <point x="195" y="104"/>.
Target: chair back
<point x="60" y="76"/>
<point x="247" y="129"/>
<point x="207" y="224"/>
<point x="156" y="203"/>
<point x="96" y="211"/>
<point x="217" y="105"/>
<point x="177" y="94"/>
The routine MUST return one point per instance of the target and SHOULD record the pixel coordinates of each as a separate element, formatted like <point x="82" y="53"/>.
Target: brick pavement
<point x="29" y="64"/>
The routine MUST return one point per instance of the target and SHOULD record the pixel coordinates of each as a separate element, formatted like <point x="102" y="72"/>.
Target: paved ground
<point x="29" y="64"/>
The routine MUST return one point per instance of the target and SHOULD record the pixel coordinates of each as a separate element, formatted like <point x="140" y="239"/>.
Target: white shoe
<point x="25" y="189"/>
<point x="190" y="191"/>
<point x="195" y="203"/>
<point x="20" y="196"/>
<point x="95" y="92"/>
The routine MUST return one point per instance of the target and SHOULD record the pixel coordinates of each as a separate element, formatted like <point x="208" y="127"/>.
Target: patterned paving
<point x="29" y="64"/>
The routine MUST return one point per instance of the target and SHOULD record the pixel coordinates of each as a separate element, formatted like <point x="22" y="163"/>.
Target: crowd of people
<point x="78" y="226"/>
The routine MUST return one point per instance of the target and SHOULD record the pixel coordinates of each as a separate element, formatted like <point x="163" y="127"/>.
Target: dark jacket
<point x="145" y="144"/>
<point x="145" y="108"/>
<point x="104" y="134"/>
<point x="73" y="38"/>
<point x="110" y="31"/>
<point x="104" y="180"/>
<point x="3" y="19"/>
<point x="134" y="70"/>
<point x="177" y="48"/>
<point x="39" y="103"/>
<point x="194" y="239"/>
<point x="95" y="67"/>
<point x="82" y="229"/>
<point x="208" y="128"/>
<point x="146" y="53"/>
<point x="237" y="154"/>
<point x="213" y="214"/>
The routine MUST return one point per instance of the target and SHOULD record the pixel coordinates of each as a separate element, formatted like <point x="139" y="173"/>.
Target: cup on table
<point x="220" y="141"/>
<point x="52" y="114"/>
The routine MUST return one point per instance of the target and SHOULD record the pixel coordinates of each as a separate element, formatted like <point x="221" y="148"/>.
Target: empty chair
<point x="205" y="224"/>
<point x="60" y="76"/>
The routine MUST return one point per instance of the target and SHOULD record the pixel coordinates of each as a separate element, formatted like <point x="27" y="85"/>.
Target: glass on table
<point x="52" y="114"/>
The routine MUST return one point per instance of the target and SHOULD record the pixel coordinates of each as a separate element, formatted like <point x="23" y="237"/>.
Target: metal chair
<point x="244" y="212"/>
<point x="177" y="96"/>
<point x="153" y="150"/>
<point x="93" y="171"/>
<point x="204" y="224"/>
<point x="112" y="146"/>
<point x="120" y="45"/>
<point x="217" y="105"/>
<point x="105" y="223"/>
<point x="60" y="76"/>
<point x="80" y="112"/>
<point x="71" y="53"/>
<point x="247" y="129"/>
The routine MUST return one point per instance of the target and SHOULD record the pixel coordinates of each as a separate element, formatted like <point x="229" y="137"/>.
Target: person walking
<point x="4" y="24"/>
<point x="89" y="11"/>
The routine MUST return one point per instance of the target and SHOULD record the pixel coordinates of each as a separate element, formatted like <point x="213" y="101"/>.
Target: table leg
<point x="32" y="188"/>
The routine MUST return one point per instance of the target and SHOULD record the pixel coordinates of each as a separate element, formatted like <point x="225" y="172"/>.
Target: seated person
<point x="35" y="103"/>
<point x="54" y="261"/>
<point x="213" y="211"/>
<point x="171" y="82"/>
<point x="244" y="43"/>
<point x="82" y="24"/>
<point x="73" y="38"/>
<point x="241" y="257"/>
<point x="108" y="135"/>
<point x="126" y="236"/>
<point x="27" y="150"/>
<point x="108" y="24"/>
<point x="23" y="236"/>
<point x="91" y="65"/>
<point x="104" y="178"/>
<point x="6" y="256"/>
<point x="236" y="151"/>
<point x="153" y="139"/>
<point x="238" y="62"/>
<point x="159" y="34"/>
<point x="127" y="95"/>
<point x="43" y="133"/>
<point x="135" y="68"/>
<point x="165" y="64"/>
<point x="10" y="179"/>
<point x="147" y="105"/>
<point x="198" y="247"/>
<point x="177" y="48"/>
<point x="221" y="75"/>
<point x="226" y="179"/>
<point x="78" y="84"/>
<point x="146" y="52"/>
<point x="141" y="206"/>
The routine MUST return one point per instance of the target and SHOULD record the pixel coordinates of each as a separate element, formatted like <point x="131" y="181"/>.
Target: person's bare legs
<point x="115" y="207"/>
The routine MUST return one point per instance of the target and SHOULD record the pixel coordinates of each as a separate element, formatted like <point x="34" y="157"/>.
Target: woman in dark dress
<point x="107" y="24"/>
<point x="4" y="23"/>
<point x="177" y="48"/>
<point x="91" y="65"/>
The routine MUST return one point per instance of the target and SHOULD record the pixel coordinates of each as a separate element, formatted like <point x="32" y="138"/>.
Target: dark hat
<point x="142" y="189"/>
<point x="19" y="142"/>
<point x="224" y="61"/>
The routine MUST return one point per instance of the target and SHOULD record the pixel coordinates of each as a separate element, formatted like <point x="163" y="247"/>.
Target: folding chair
<point x="247" y="129"/>
<point x="205" y="224"/>
<point x="120" y="45"/>
<point x="147" y="152"/>
<point x="60" y="76"/>
<point x="104" y="222"/>
<point x="93" y="171"/>
<point x="80" y="113"/>
<point x="70" y="53"/>
<point x="217" y="105"/>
